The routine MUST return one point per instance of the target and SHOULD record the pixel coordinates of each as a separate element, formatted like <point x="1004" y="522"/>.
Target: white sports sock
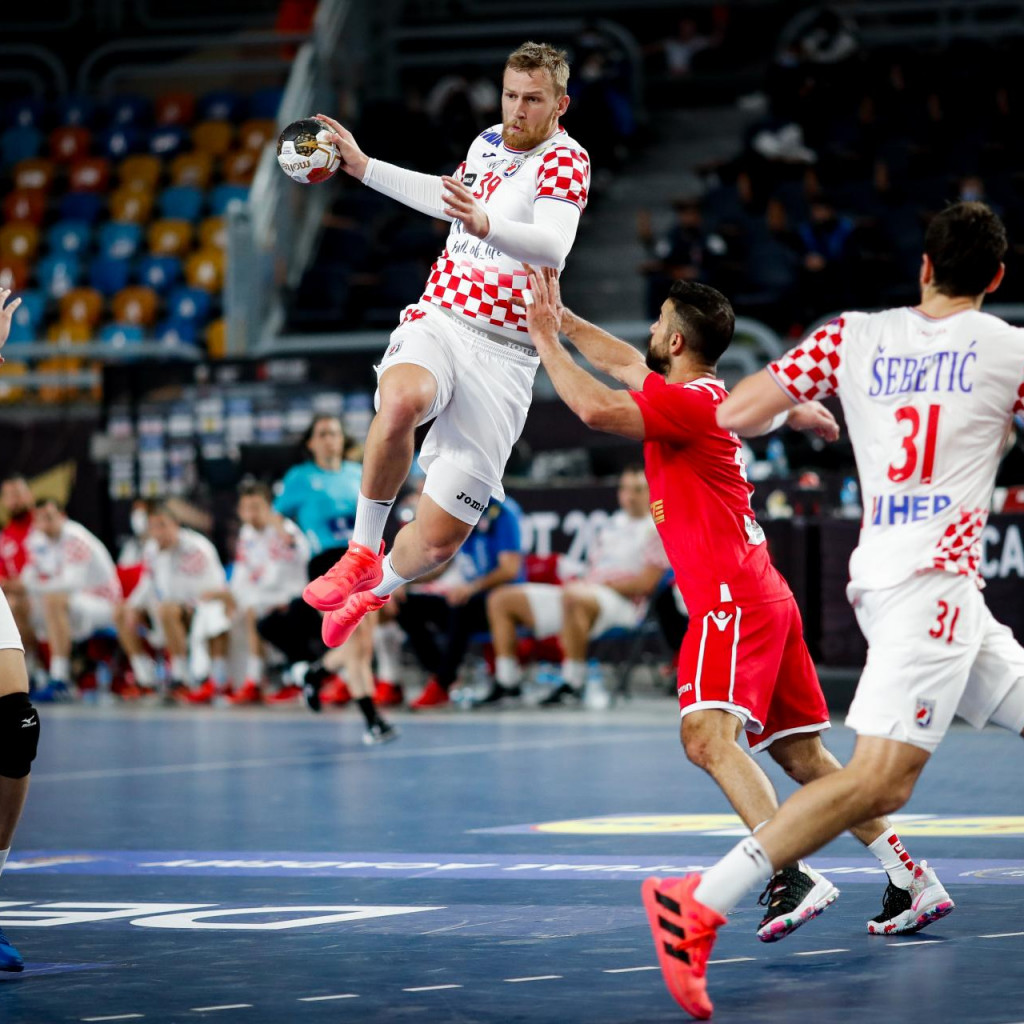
<point x="506" y="671"/>
<point x="387" y="646"/>
<point x="60" y="669"/>
<point x="254" y="668"/>
<point x="371" y="515"/>
<point x="144" y="669"/>
<point x="179" y="669"/>
<point x="3" y="858"/>
<point x="391" y="580"/>
<point x="724" y="884"/>
<point x="897" y="863"/>
<point x="574" y="673"/>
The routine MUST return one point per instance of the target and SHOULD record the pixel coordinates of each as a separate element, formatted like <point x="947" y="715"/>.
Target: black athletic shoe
<point x="497" y="695"/>
<point x="380" y="732"/>
<point x="793" y="897"/>
<point x="314" y="680"/>
<point x="909" y="910"/>
<point x="560" y="695"/>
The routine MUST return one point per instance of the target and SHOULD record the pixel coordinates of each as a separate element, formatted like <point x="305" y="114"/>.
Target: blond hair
<point x="536" y="56"/>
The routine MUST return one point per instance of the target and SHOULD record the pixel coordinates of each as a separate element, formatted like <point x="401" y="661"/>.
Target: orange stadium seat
<point x="213" y="234"/>
<point x="34" y="174"/>
<point x="256" y="133"/>
<point x="69" y="143"/>
<point x="69" y="331"/>
<point x="141" y="171"/>
<point x="13" y="273"/>
<point x="81" y="306"/>
<point x="205" y="269"/>
<point x="25" y="204"/>
<point x="19" y="239"/>
<point x="9" y="391"/>
<point x="90" y="174"/>
<point x="59" y="364"/>
<point x="217" y="339"/>
<point x="175" y="108"/>
<point x="213" y="137"/>
<point x="170" y="237"/>
<point x="135" y="304"/>
<point x="131" y="206"/>
<point x="239" y="166"/>
<point x="192" y="169"/>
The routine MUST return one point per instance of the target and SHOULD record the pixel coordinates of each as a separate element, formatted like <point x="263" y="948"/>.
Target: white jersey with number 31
<point x="928" y="404"/>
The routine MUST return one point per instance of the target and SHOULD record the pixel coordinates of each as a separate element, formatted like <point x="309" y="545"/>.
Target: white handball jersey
<point x="928" y="404"/>
<point x="473" y="278"/>
<point x="181" y="574"/>
<point x="269" y="569"/>
<point x="76" y="562"/>
<point x="624" y="546"/>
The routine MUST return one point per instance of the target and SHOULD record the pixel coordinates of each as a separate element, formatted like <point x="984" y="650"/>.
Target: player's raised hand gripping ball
<point x="7" y="310"/>
<point x="307" y="153"/>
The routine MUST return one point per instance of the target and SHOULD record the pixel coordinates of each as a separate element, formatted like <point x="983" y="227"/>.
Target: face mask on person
<point x="140" y="521"/>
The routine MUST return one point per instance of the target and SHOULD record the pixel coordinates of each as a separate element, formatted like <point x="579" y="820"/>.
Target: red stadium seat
<point x="13" y="273"/>
<point x="69" y="143"/>
<point x="25" y="204"/>
<point x="90" y="174"/>
<point x="175" y="108"/>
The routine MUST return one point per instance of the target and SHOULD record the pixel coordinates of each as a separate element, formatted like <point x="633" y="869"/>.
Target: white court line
<point x="539" y="977"/>
<point x="820" y="952"/>
<point x="912" y="945"/>
<point x="388" y="755"/>
<point x="1001" y="935"/>
<point x="227" y="1006"/>
<point x="733" y="960"/>
<point x="430" y="988"/>
<point x="324" y="999"/>
<point x="119" y="1016"/>
<point x="627" y="970"/>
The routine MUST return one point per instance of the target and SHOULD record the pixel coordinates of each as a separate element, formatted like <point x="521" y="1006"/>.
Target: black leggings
<point x="439" y="632"/>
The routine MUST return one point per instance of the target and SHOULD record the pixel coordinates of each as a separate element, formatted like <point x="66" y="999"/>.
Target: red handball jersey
<point x="13" y="553"/>
<point x="700" y="498"/>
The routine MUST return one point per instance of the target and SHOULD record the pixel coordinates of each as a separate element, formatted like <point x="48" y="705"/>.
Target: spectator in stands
<point x="680" y="48"/>
<point x="73" y="588"/>
<point x="179" y="567"/>
<point x="439" y="625"/>
<point x="625" y="564"/>
<point x="18" y="506"/>
<point x="825" y="241"/>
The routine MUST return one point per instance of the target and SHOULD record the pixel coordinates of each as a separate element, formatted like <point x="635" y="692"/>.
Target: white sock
<point x="219" y="670"/>
<point x="254" y="668"/>
<point x="179" y="669"/>
<point x="387" y="646"/>
<point x="60" y="669"/>
<point x="371" y="515"/>
<point x="724" y="884"/>
<point x="574" y="673"/>
<point x="888" y="848"/>
<point x="391" y="580"/>
<point x="506" y="671"/>
<point x="144" y="669"/>
<point x="3" y="858"/>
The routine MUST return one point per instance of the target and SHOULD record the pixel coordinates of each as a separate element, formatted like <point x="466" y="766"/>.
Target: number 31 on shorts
<point x="945" y="623"/>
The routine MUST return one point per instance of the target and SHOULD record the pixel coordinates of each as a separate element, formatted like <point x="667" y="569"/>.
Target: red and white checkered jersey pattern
<point x="270" y="567"/>
<point x="623" y="546"/>
<point x="181" y="574"/>
<point x="76" y="561"/>
<point x="927" y="404"/>
<point x="473" y="278"/>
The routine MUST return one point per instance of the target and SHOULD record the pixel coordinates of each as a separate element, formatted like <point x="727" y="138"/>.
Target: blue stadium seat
<point x="58" y="274"/>
<point x="189" y="304"/>
<point x="181" y="202"/>
<point x="75" y="109"/>
<point x="25" y="113"/>
<point x="117" y="143"/>
<point x="222" y="105"/>
<point x="122" y="335"/>
<point x="120" y="240"/>
<point x="224" y="195"/>
<point x="109" y="275"/>
<point x="19" y="143"/>
<point x="168" y="140"/>
<point x="265" y="103"/>
<point x="85" y="206"/>
<point x="26" y="324"/>
<point x="161" y="273"/>
<point x="70" y="237"/>
<point x="174" y="332"/>
<point x="129" y="110"/>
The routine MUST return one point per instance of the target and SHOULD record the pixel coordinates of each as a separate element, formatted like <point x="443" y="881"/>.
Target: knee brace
<point x="19" y="735"/>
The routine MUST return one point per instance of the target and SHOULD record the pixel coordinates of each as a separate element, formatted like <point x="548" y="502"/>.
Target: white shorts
<point x="87" y="614"/>
<point x="10" y="638"/>
<point x="934" y="650"/>
<point x="545" y="600"/>
<point x="484" y="389"/>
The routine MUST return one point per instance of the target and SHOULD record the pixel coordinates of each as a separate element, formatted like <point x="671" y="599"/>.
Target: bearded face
<point x="529" y="108"/>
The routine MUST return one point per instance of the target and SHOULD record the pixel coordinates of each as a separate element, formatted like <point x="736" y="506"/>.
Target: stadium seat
<point x="81" y="306"/>
<point x="119" y="240"/>
<point x="192" y="169"/>
<point x="141" y="172"/>
<point x="217" y="339"/>
<point x="224" y="195"/>
<point x="128" y="110"/>
<point x="117" y="143"/>
<point x="181" y="202"/>
<point x="222" y="105"/>
<point x="58" y="274"/>
<point x="189" y="304"/>
<point x="17" y="144"/>
<point x="135" y="304"/>
<point x="169" y="237"/>
<point x="36" y="173"/>
<point x="9" y="391"/>
<point x="81" y="206"/>
<point x="109" y="275"/>
<point x="168" y="140"/>
<point x="131" y="205"/>
<point x="161" y="273"/>
<point x="175" y="108"/>
<point x="70" y="237"/>
<point x="265" y="103"/>
<point x="60" y="365"/>
<point x="122" y="335"/>
<point x="213" y="233"/>
<point x="25" y="204"/>
<point x="13" y="273"/>
<point x="213" y="137"/>
<point x="75" y="109"/>
<point x="239" y="166"/>
<point x="76" y="333"/>
<point x="90" y="174"/>
<point x="27" y="320"/>
<point x="26" y="112"/>
<point x="19" y="239"/>
<point x="205" y="269"/>
<point x="69" y="143"/>
<point x="173" y="332"/>
<point x="257" y="132"/>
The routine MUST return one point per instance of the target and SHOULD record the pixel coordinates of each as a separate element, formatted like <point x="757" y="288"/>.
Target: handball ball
<point x="305" y="152"/>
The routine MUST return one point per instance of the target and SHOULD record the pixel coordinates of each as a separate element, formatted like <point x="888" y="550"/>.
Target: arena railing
<point x="56" y="79"/>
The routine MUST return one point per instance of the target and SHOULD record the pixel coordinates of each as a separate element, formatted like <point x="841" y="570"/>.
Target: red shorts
<point x="753" y="662"/>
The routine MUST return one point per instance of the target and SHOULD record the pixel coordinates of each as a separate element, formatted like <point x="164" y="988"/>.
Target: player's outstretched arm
<point x="758" y="405"/>
<point x="6" y="315"/>
<point x="599" y="406"/>
<point x="353" y="159"/>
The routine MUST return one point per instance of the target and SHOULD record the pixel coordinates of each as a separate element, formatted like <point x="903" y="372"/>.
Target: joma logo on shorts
<point x="471" y="502"/>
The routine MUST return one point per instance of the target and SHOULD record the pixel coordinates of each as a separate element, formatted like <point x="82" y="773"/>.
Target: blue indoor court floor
<point x="249" y="867"/>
